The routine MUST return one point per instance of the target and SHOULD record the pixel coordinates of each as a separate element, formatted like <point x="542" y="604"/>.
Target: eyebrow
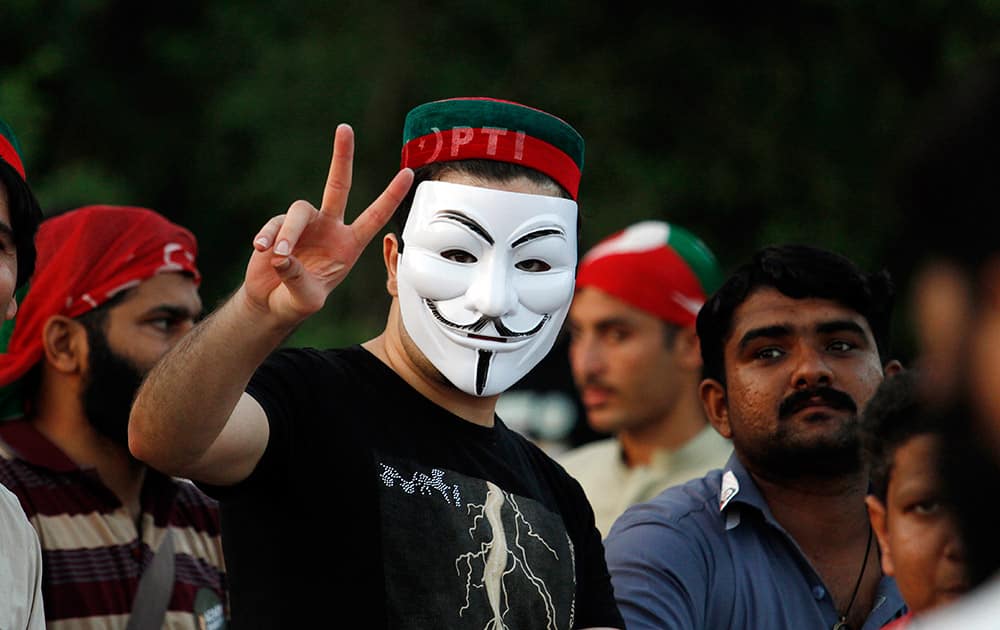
<point x="841" y="325"/>
<point x="172" y="310"/>
<point x="783" y="330"/>
<point x="779" y="330"/>
<point x="468" y="222"/>
<point x="530" y="236"/>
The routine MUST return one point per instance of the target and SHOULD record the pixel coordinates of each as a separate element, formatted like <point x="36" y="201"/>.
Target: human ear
<point x="713" y="399"/>
<point x="64" y="343"/>
<point x="390" y="255"/>
<point x="892" y="368"/>
<point x="877" y="516"/>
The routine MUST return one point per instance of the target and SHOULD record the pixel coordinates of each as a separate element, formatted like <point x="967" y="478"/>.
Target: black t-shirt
<point x="372" y="503"/>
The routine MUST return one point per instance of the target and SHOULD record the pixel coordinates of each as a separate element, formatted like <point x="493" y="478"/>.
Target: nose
<point x="492" y="290"/>
<point x="811" y="368"/>
<point x="585" y="356"/>
<point x="954" y="548"/>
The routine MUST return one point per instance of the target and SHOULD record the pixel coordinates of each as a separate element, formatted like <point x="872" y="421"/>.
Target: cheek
<point x="915" y="551"/>
<point x="544" y="292"/>
<point x="434" y="277"/>
<point x="750" y="396"/>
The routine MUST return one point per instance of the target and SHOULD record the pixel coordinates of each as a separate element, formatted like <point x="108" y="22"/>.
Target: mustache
<point x="479" y="324"/>
<point x="833" y="398"/>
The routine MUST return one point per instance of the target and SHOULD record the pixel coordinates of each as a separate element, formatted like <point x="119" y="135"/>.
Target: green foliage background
<point x="748" y="124"/>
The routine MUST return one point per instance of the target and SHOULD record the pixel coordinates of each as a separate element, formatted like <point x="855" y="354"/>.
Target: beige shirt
<point x="611" y="486"/>
<point x="20" y="568"/>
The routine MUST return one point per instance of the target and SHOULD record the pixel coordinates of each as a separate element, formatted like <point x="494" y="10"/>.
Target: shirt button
<point x="819" y="592"/>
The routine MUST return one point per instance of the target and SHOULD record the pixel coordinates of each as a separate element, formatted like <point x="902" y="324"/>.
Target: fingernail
<point x="281" y="248"/>
<point x="263" y="241"/>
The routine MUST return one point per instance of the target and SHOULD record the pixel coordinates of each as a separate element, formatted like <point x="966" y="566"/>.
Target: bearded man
<point x="123" y="545"/>
<point x="794" y="344"/>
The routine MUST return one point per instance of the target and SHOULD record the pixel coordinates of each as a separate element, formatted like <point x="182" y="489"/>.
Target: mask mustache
<point x="479" y="324"/>
<point x="833" y="398"/>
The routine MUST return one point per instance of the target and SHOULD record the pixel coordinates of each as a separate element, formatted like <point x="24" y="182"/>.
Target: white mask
<point x="485" y="280"/>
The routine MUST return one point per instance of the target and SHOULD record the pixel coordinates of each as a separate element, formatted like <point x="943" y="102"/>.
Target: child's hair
<point x="894" y="415"/>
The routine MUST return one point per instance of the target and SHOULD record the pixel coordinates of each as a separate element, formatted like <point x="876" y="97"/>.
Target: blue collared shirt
<point x="709" y="555"/>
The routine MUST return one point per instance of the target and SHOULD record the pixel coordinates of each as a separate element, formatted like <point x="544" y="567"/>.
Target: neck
<point x="828" y="520"/>
<point x="61" y="420"/>
<point x="398" y="353"/>
<point x="670" y="433"/>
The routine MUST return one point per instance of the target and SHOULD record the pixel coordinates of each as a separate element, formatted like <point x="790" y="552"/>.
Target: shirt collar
<point x="30" y="445"/>
<point x="738" y="488"/>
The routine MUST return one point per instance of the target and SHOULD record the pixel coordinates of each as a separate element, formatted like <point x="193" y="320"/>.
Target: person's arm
<point x="191" y="417"/>
<point x="659" y="572"/>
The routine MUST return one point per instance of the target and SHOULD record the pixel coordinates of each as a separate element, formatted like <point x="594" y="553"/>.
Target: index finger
<point x="380" y="211"/>
<point x="338" y="180"/>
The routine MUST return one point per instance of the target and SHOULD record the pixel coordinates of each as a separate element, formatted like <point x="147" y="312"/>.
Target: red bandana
<point x="86" y="257"/>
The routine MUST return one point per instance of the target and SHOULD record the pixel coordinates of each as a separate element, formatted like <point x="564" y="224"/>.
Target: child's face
<point x="916" y="529"/>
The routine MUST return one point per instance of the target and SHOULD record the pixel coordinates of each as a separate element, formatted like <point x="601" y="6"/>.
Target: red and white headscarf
<point x="85" y="258"/>
<point x="658" y="267"/>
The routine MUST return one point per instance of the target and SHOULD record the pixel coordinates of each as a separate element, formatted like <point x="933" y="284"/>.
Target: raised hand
<point x="301" y="256"/>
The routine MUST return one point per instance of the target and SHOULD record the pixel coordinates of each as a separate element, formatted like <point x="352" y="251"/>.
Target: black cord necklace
<point x="842" y="624"/>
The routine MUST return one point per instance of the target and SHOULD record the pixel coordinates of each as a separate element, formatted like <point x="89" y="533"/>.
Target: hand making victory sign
<point x="301" y="256"/>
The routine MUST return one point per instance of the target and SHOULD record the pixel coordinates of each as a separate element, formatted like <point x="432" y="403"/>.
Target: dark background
<point x="747" y="125"/>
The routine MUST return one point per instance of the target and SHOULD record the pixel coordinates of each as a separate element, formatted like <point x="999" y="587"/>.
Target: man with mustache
<point x="114" y="288"/>
<point x="794" y="344"/>
<point x="381" y="470"/>
<point x="635" y="359"/>
<point x="21" y="603"/>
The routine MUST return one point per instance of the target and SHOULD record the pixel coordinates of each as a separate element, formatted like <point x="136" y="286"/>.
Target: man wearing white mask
<point x="380" y="470"/>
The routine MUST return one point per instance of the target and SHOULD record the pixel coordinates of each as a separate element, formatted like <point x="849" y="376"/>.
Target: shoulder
<point x="589" y="454"/>
<point x="677" y="517"/>
<point x="14" y="525"/>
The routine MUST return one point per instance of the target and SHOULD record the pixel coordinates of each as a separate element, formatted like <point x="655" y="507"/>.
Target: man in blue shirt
<point x="793" y="344"/>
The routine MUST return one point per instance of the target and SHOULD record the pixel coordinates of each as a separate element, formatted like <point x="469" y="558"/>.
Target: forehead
<point x="768" y="307"/>
<point x="915" y="460"/>
<point x="499" y="208"/>
<point x="592" y="306"/>
<point x="164" y="289"/>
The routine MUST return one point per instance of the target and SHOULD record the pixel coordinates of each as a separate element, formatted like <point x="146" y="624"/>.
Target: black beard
<point x="785" y="456"/>
<point x="109" y="389"/>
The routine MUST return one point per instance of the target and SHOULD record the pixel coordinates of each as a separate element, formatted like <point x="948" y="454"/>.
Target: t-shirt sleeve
<point x="660" y="572"/>
<point x="281" y="384"/>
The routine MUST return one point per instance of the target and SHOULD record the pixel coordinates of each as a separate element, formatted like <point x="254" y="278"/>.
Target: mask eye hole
<point x="533" y="265"/>
<point x="459" y="256"/>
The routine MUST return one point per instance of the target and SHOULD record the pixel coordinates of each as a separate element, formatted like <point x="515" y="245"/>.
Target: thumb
<point x="304" y="295"/>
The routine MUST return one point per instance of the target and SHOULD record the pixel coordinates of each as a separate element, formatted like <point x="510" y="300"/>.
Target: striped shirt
<point x="93" y="552"/>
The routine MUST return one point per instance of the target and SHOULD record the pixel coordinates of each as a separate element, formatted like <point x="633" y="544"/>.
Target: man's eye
<point x="768" y="353"/>
<point x="841" y="346"/>
<point x="927" y="507"/>
<point x="533" y="265"/>
<point x="459" y="256"/>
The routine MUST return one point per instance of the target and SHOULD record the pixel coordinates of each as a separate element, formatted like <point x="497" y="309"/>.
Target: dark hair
<point x="894" y="414"/>
<point x="489" y="170"/>
<point x="798" y="271"/>
<point x="25" y="215"/>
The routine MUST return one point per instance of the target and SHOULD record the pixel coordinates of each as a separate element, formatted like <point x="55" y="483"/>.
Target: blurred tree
<point x="747" y="124"/>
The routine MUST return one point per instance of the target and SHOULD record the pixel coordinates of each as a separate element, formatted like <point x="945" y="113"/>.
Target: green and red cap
<point x="10" y="150"/>
<point x="483" y="128"/>
<point x="656" y="267"/>
<point x="25" y="213"/>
